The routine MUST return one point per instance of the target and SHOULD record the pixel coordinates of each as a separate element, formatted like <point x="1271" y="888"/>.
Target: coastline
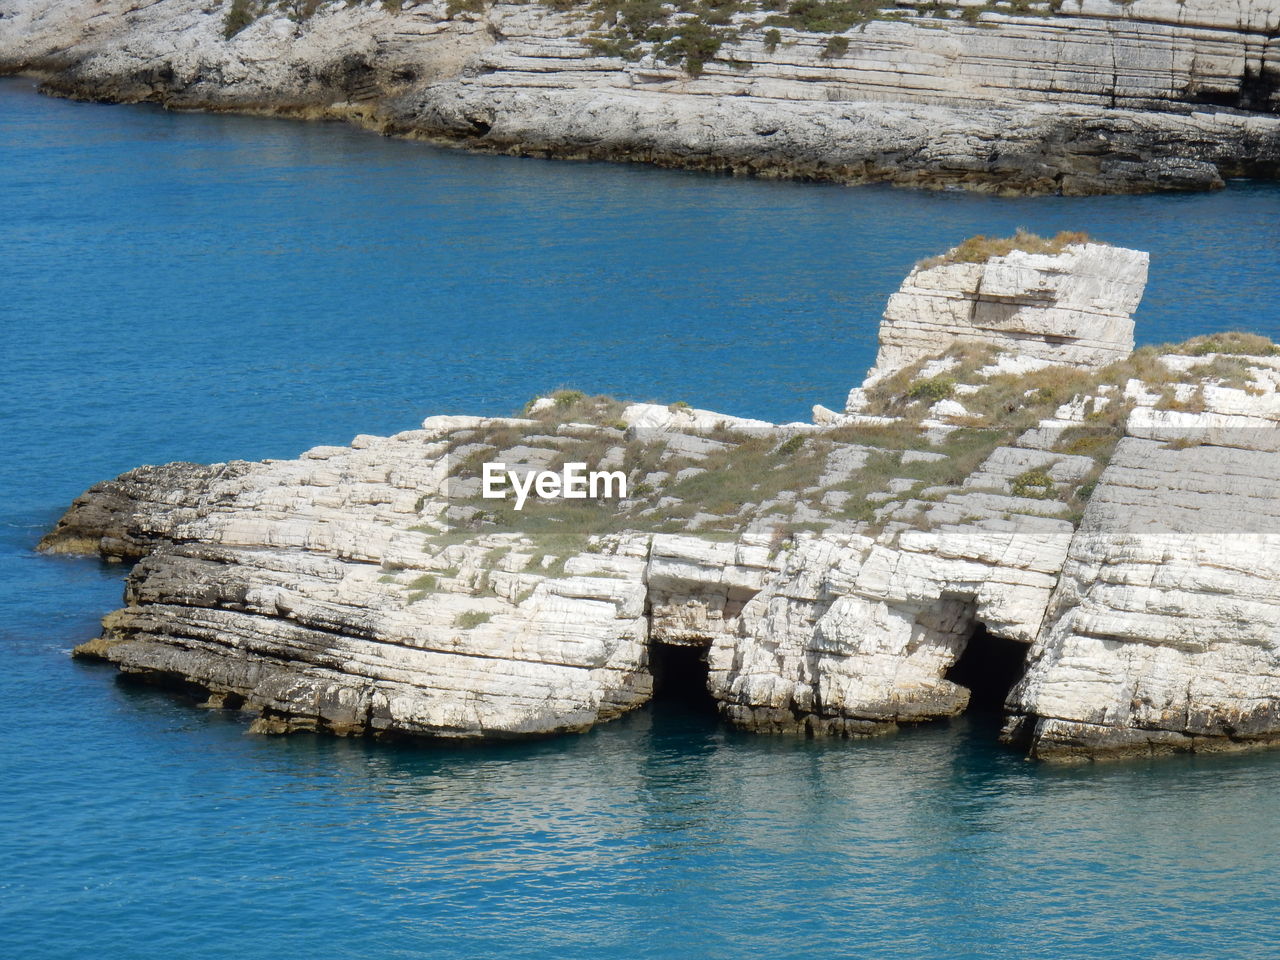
<point x="1013" y="491"/>
<point x="922" y="105"/>
<point x="211" y="287"/>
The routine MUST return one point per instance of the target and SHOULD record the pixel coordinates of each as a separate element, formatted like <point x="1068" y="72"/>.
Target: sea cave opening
<point x="680" y="677"/>
<point x="988" y="666"/>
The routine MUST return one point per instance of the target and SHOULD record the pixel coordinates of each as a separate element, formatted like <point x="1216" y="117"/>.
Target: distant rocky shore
<point x="1015" y="510"/>
<point x="1075" y="97"/>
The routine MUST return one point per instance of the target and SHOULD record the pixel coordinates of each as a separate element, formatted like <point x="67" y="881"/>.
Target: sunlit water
<point x="197" y="287"/>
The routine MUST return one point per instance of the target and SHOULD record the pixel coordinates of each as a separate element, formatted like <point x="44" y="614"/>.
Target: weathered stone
<point x="1164" y="629"/>
<point x="1074" y="307"/>
<point x="1097" y="97"/>
<point x="329" y="592"/>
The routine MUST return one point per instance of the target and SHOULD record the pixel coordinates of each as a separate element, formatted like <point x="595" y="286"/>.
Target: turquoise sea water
<point x="196" y="287"/>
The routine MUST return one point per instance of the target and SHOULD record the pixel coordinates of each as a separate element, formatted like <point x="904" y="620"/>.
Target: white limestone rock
<point x="334" y="592"/>
<point x="1164" y="630"/>
<point x="1074" y="307"/>
<point x="676" y="417"/>
<point x="1097" y="97"/>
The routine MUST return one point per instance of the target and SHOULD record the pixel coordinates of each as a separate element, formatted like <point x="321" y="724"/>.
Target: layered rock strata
<point x="1117" y="522"/>
<point x="1071" y="307"/>
<point x="1164" y="628"/>
<point x="1095" y="96"/>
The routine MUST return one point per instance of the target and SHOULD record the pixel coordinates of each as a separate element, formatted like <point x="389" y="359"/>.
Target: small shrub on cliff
<point x="771" y="40"/>
<point x="622" y="49"/>
<point x="837" y="46"/>
<point x="827" y="16"/>
<point x="933" y="389"/>
<point x="471" y="618"/>
<point x="300" y="10"/>
<point x="1034" y="484"/>
<point x="240" y="14"/>
<point x="692" y="43"/>
<point x="790" y="446"/>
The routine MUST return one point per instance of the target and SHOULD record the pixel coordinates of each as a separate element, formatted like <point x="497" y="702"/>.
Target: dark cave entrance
<point x="988" y="666"/>
<point x="680" y="677"/>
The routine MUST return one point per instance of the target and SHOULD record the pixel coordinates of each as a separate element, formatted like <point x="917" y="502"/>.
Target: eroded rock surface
<point x="1073" y="307"/>
<point x="1164" y="629"/>
<point x="1115" y="515"/>
<point x="1095" y="96"/>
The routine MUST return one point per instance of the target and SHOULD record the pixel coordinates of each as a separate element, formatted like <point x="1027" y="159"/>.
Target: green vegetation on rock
<point x="721" y="482"/>
<point x="1035" y="484"/>
<point x="240" y="13"/>
<point x="982" y="248"/>
<point x="684" y="33"/>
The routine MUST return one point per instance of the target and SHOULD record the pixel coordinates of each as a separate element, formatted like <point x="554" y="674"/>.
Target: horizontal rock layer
<point x="1118" y="523"/>
<point x="1074" y="307"/>
<point x="1098" y="97"/>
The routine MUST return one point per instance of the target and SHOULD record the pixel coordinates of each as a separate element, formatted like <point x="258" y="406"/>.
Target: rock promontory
<point x="1075" y="97"/>
<point x="1016" y="512"/>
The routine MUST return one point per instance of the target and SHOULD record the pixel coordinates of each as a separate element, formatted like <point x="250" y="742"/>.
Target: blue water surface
<point x="207" y="287"/>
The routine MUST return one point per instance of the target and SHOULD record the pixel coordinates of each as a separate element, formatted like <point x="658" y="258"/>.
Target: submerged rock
<point x="1014" y="487"/>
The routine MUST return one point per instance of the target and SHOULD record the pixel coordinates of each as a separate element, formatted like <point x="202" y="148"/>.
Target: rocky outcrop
<point x="1164" y="630"/>
<point x="1072" y="307"/>
<point x="1107" y="531"/>
<point x="302" y="590"/>
<point x="1095" y="96"/>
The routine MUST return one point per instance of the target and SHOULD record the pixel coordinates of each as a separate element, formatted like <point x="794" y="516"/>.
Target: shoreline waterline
<point x="210" y="287"/>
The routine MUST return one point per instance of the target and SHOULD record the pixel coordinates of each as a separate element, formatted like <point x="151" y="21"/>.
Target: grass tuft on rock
<point x="982" y="248"/>
<point x="239" y="15"/>
<point x="1033" y="484"/>
<point x="1233" y="342"/>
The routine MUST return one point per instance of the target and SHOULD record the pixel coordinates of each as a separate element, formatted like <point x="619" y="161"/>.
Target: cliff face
<point x="1098" y="96"/>
<point x="1164" y="629"/>
<point x="1100" y="525"/>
